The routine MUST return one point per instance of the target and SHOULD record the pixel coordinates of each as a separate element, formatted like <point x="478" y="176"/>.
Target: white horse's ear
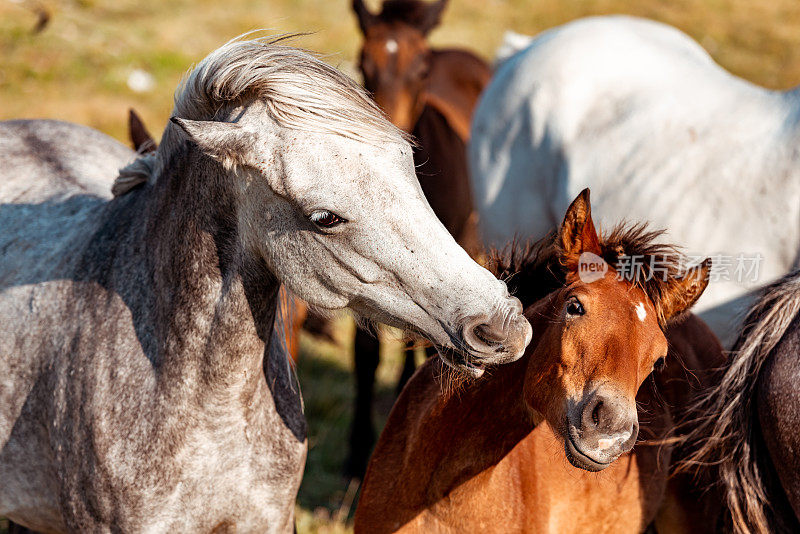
<point x="227" y="142"/>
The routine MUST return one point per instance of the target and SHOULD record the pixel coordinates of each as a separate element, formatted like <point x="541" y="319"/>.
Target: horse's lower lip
<point x="475" y="370"/>
<point x="463" y="364"/>
<point x="579" y="459"/>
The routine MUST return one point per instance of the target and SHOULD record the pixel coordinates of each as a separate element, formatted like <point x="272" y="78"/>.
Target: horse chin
<point x="579" y="459"/>
<point x="475" y="371"/>
<point x="461" y="364"/>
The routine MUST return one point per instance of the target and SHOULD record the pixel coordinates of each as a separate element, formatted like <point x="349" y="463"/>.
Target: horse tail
<point x="726" y="435"/>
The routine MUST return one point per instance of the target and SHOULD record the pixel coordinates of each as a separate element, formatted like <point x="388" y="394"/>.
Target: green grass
<point x="77" y="70"/>
<point x="326" y="501"/>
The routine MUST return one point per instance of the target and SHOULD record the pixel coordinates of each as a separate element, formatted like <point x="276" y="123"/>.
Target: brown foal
<point x="544" y="444"/>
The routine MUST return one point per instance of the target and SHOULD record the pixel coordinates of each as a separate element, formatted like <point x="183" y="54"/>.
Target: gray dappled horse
<point x="138" y="388"/>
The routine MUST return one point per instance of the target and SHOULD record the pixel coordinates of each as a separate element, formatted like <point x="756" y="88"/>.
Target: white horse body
<point x="638" y="112"/>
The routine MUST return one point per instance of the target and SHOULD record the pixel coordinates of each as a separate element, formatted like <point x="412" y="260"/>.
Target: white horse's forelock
<point x="299" y="90"/>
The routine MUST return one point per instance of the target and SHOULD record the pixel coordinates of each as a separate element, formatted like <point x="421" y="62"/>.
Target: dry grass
<point x="77" y="70"/>
<point x="78" y="67"/>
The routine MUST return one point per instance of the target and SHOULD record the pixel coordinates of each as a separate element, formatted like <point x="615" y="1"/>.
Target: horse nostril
<point x="485" y="336"/>
<point x="592" y="415"/>
<point x="498" y="337"/>
<point x="596" y="413"/>
<point x="600" y="414"/>
<point x="482" y="335"/>
<point x="602" y="427"/>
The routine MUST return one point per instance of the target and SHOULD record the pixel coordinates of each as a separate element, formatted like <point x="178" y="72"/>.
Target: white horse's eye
<point x="325" y="219"/>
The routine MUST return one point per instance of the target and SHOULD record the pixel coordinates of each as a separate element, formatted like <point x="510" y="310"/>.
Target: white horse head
<point x="326" y="195"/>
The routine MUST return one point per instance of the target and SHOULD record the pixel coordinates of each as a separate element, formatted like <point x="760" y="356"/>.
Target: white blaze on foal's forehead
<point x="391" y="46"/>
<point x="641" y="313"/>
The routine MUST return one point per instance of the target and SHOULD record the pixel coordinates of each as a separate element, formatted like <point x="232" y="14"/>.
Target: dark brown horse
<point x="749" y="421"/>
<point x="544" y="443"/>
<point x="430" y="93"/>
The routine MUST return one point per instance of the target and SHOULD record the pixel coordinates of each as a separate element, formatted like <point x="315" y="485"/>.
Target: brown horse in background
<point x="431" y="94"/>
<point x="544" y="444"/>
<point x="292" y="312"/>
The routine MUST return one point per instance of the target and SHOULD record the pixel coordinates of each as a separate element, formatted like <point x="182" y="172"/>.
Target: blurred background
<point x="89" y="61"/>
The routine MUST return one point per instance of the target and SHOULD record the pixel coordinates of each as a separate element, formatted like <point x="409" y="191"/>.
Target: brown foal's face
<point x="595" y="341"/>
<point x="395" y="61"/>
<point x="599" y="342"/>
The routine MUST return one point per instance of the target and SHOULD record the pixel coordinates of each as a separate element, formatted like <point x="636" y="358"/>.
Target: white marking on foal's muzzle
<point x="391" y="46"/>
<point x="607" y="443"/>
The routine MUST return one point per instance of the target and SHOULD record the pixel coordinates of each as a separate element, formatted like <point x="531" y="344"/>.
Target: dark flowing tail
<point x="726" y="435"/>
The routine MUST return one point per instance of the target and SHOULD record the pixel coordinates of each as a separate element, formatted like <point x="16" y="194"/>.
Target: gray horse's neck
<point x="213" y="305"/>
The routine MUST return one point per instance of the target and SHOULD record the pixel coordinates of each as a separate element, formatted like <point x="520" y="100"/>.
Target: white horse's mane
<point x="299" y="90"/>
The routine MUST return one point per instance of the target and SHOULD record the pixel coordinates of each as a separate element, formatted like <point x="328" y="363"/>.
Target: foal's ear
<point x="683" y="292"/>
<point x="432" y="16"/>
<point x="227" y="142"/>
<point x="365" y="17"/>
<point x="578" y="234"/>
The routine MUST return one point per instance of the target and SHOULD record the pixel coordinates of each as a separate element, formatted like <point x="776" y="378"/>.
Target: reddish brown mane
<point x="534" y="269"/>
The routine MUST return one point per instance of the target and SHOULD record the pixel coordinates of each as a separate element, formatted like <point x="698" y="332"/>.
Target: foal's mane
<point x="534" y="269"/>
<point x="299" y="90"/>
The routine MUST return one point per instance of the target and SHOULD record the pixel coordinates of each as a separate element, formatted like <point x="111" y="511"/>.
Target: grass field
<point x="78" y="68"/>
<point x="82" y="66"/>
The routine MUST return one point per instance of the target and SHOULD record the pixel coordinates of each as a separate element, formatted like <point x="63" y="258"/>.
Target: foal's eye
<point x="575" y="308"/>
<point x="325" y="219"/>
<point x="659" y="365"/>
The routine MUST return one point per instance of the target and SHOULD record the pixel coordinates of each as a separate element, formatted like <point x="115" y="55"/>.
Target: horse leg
<point x="362" y="432"/>
<point x="409" y="366"/>
<point x="319" y="326"/>
<point x="14" y="528"/>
